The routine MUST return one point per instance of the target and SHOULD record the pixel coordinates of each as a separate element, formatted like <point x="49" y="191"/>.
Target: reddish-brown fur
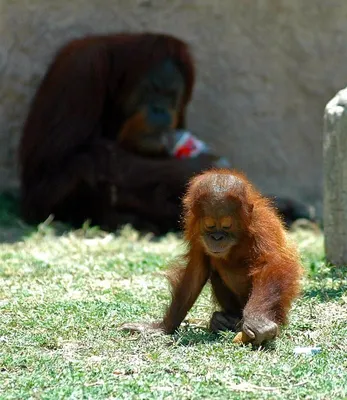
<point x="134" y="127"/>
<point x="256" y="281"/>
<point x="63" y="91"/>
<point x="69" y="151"/>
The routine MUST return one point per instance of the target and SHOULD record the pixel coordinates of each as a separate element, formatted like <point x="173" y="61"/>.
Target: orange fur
<point x="69" y="153"/>
<point x="133" y="127"/>
<point x="254" y="274"/>
<point x="137" y="126"/>
<point x="261" y="273"/>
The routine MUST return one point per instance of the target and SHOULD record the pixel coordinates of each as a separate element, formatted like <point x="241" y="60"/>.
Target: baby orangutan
<point x="237" y="241"/>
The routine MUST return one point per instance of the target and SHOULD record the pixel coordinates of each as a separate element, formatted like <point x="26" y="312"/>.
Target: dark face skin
<point x="220" y="228"/>
<point x="158" y="98"/>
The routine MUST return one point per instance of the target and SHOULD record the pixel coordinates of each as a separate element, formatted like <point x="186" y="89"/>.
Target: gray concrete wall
<point x="266" y="69"/>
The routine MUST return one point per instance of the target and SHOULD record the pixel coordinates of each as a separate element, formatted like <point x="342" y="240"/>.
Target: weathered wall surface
<point x="266" y="69"/>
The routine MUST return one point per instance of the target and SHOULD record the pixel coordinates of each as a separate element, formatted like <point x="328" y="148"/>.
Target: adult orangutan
<point x="237" y="242"/>
<point x="92" y="145"/>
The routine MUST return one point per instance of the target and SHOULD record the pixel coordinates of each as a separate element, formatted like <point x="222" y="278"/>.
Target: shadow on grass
<point x="325" y="295"/>
<point x="12" y="229"/>
<point x="193" y="336"/>
<point x="327" y="284"/>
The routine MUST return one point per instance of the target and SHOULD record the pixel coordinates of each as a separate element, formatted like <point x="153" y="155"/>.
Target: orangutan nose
<point x="217" y="236"/>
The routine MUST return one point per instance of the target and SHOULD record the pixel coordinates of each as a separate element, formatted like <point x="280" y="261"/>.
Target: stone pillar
<point x="335" y="179"/>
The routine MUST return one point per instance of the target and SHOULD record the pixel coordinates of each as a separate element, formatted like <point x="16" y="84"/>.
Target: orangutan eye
<point x="227" y="223"/>
<point x="209" y="223"/>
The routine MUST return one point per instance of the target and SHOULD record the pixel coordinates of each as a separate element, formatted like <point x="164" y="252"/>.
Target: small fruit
<point x="241" y="337"/>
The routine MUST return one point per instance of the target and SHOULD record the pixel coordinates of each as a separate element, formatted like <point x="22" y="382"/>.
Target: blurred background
<point x="265" y="71"/>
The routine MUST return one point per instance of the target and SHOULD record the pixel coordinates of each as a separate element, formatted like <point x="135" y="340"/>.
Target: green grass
<point x="63" y="297"/>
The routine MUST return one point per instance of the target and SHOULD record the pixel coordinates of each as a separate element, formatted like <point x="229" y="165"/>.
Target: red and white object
<point x="187" y="145"/>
